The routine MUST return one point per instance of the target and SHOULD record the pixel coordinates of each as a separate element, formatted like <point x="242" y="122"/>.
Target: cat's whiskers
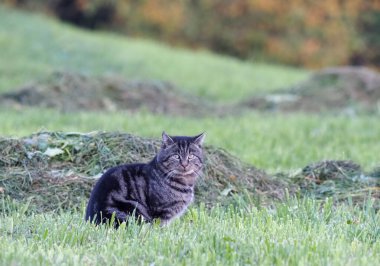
<point x="180" y="173"/>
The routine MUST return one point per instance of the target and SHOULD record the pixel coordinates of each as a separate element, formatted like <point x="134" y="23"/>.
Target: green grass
<point x="271" y="142"/>
<point x="297" y="233"/>
<point x="33" y="46"/>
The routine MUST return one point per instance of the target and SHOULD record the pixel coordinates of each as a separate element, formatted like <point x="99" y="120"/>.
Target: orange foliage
<point x="166" y="15"/>
<point x="299" y="32"/>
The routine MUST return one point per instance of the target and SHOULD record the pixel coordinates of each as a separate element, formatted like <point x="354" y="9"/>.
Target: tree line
<point x="298" y="32"/>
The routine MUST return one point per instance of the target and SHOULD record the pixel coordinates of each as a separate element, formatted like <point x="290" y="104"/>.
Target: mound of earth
<point x="343" y="88"/>
<point x="59" y="169"/>
<point x="72" y="92"/>
<point x="53" y="170"/>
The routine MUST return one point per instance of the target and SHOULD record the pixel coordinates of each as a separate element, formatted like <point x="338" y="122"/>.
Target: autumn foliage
<point x="298" y="32"/>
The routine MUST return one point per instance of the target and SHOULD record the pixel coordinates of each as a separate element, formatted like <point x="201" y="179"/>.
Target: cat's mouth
<point x="184" y="172"/>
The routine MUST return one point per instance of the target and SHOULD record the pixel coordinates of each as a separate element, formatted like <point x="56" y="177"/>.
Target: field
<point x="297" y="231"/>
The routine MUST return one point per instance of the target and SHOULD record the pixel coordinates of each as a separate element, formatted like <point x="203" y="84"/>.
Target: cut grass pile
<point x="341" y="89"/>
<point x="71" y="92"/>
<point x="58" y="170"/>
<point x="340" y="180"/>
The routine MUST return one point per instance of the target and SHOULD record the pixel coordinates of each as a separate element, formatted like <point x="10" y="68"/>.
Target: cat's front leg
<point x="133" y="208"/>
<point x="120" y="216"/>
<point x="165" y="222"/>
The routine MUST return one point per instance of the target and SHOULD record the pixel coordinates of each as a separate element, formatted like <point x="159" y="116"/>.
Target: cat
<point x="159" y="190"/>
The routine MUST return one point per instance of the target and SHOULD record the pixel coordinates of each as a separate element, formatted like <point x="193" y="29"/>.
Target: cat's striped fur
<point x="161" y="189"/>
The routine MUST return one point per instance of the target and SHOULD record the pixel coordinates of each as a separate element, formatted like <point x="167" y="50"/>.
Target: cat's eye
<point x="191" y="156"/>
<point x="175" y="156"/>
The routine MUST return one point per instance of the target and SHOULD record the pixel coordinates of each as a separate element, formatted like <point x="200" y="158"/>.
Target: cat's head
<point x="181" y="155"/>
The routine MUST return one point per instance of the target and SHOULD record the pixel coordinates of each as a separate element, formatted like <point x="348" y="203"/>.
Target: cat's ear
<point x="198" y="140"/>
<point x="166" y="140"/>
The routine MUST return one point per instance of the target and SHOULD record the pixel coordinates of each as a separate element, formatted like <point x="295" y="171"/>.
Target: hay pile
<point x="347" y="89"/>
<point x="69" y="92"/>
<point x="342" y="180"/>
<point x="58" y="170"/>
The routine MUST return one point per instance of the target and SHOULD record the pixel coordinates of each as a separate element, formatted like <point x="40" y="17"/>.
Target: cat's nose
<point x="184" y="164"/>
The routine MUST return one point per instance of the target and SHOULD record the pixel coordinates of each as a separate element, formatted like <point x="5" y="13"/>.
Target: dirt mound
<point x="59" y="169"/>
<point x="72" y="92"/>
<point x="349" y="89"/>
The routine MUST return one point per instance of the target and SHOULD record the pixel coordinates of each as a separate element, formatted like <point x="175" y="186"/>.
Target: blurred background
<point x="279" y="84"/>
<point x="305" y="33"/>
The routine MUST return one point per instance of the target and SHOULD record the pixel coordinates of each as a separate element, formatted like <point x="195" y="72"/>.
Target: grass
<point x="261" y="139"/>
<point x="36" y="46"/>
<point x="297" y="233"/>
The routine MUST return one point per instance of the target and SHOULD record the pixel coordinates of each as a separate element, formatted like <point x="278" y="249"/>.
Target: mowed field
<point x="294" y="232"/>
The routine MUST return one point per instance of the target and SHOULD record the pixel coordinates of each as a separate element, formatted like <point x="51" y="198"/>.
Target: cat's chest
<point x="163" y="194"/>
<point x="167" y="206"/>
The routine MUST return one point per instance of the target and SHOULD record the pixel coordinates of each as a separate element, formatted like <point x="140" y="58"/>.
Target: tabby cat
<point x="161" y="189"/>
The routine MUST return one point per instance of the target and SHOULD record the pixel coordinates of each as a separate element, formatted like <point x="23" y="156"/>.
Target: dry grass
<point x="57" y="170"/>
<point x="346" y="89"/>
